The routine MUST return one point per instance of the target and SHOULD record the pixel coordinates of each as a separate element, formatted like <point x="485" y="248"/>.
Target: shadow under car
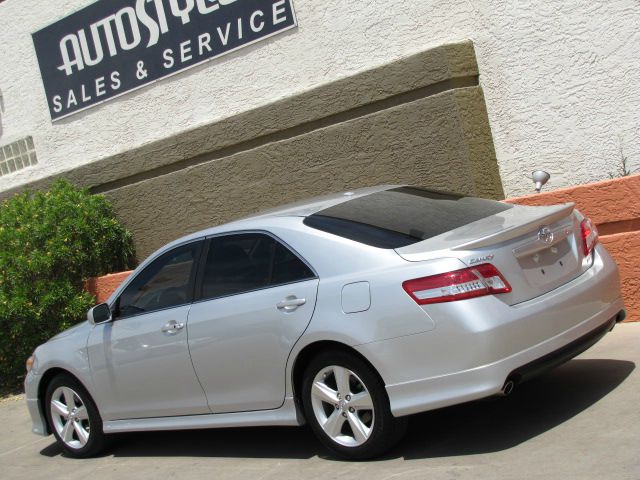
<point x="483" y="426"/>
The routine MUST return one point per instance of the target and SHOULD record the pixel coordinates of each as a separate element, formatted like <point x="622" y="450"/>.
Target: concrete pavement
<point x="581" y="421"/>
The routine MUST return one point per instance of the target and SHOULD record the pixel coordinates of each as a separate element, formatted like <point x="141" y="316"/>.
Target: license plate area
<point x="550" y="266"/>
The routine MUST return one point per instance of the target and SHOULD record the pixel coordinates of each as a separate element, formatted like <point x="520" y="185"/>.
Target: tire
<point x="78" y="430"/>
<point x="347" y="407"/>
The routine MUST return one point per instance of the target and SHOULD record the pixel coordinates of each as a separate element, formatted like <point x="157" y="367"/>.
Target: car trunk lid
<point x="537" y="249"/>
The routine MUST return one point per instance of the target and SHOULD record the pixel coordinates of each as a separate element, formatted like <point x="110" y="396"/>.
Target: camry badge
<point x="545" y="234"/>
<point x="486" y="258"/>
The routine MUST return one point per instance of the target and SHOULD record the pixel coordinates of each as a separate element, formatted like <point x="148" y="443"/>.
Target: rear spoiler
<point x="529" y="219"/>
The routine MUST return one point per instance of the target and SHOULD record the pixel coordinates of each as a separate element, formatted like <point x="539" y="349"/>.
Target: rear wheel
<point x="73" y="417"/>
<point x="347" y="407"/>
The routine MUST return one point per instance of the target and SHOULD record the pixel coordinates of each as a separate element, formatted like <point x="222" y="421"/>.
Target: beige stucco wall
<point x="418" y="120"/>
<point x="369" y="150"/>
<point x="559" y="79"/>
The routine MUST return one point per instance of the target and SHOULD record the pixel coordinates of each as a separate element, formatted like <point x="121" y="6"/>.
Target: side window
<point x="287" y="267"/>
<point x="249" y="261"/>
<point x="164" y="283"/>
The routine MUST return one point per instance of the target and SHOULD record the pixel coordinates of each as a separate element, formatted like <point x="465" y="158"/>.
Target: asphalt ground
<point x="580" y="421"/>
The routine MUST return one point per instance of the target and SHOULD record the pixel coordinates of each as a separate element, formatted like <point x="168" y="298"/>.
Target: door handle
<point x="290" y="303"/>
<point x="172" y="327"/>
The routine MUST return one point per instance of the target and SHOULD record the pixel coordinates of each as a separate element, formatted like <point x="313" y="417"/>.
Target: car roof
<point x="313" y="205"/>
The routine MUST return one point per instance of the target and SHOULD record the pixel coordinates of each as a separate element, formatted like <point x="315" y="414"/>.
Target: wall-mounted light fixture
<point x="540" y="178"/>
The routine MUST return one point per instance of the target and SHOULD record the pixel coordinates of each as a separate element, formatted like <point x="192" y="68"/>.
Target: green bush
<point x="50" y="242"/>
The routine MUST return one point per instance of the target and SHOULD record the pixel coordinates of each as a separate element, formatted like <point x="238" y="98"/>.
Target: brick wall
<point x="103" y="287"/>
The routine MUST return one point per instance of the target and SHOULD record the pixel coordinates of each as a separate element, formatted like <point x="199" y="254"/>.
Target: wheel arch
<point x="46" y="379"/>
<point x="309" y="352"/>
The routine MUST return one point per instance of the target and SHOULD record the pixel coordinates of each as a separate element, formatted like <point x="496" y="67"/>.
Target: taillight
<point x="470" y="282"/>
<point x="589" y="236"/>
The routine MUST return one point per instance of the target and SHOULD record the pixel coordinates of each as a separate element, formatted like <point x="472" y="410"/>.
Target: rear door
<point x="255" y="298"/>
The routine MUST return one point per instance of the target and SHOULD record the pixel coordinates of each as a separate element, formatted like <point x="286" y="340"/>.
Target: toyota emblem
<point x="545" y="234"/>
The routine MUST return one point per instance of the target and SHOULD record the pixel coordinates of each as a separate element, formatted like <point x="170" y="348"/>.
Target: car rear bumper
<point x="479" y="343"/>
<point x="566" y="353"/>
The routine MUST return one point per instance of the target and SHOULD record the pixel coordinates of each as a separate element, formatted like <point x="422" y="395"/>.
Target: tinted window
<point x="165" y="283"/>
<point x="249" y="261"/>
<point x="402" y="216"/>
<point x="287" y="267"/>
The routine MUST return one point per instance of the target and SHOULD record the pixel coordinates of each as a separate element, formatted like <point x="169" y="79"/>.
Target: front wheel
<point x="347" y="407"/>
<point x="74" y="417"/>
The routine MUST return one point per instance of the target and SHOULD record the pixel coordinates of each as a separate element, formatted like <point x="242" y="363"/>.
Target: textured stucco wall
<point x="611" y="204"/>
<point x="418" y="120"/>
<point x="365" y="151"/>
<point x="427" y="73"/>
<point x="559" y="79"/>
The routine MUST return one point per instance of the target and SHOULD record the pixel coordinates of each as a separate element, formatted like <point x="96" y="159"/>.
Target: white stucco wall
<point x="560" y="78"/>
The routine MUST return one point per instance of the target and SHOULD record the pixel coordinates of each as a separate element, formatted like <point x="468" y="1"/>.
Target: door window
<point x="249" y="261"/>
<point x="165" y="283"/>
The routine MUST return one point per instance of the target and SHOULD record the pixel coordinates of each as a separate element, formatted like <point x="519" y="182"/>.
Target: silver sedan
<point x="348" y="312"/>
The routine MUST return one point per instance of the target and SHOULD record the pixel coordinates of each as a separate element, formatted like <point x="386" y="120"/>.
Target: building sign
<point x="114" y="46"/>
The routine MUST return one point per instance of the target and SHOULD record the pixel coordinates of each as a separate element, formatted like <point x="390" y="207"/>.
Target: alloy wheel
<point x="342" y="406"/>
<point x="70" y="417"/>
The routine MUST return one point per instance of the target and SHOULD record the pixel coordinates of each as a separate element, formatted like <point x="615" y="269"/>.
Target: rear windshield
<point x="402" y="216"/>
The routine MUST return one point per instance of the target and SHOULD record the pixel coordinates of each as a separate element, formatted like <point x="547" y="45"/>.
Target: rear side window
<point x="249" y="261"/>
<point x="402" y="216"/>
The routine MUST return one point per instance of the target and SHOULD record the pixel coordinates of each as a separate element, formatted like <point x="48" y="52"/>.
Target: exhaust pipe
<point x="620" y="316"/>
<point x="507" y="388"/>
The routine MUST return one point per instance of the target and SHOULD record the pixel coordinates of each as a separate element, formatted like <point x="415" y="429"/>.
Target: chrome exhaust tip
<point x="507" y="388"/>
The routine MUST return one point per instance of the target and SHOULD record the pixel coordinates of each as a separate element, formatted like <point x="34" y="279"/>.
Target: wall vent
<point x="17" y="155"/>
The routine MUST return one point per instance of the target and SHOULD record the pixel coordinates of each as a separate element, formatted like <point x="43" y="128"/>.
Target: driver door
<point x="140" y="361"/>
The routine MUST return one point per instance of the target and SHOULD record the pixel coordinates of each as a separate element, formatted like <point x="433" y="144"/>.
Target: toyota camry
<point x="348" y="313"/>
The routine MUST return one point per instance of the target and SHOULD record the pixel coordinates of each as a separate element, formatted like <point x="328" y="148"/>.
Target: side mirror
<point x="99" y="314"/>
